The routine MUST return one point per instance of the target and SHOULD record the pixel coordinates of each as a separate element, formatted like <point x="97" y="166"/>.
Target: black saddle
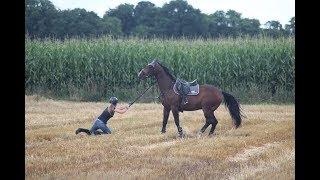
<point x="188" y="88"/>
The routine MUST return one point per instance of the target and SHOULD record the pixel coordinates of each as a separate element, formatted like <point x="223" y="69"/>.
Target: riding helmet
<point x="113" y="100"/>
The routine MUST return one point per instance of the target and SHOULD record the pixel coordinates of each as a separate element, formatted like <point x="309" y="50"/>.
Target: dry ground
<point x="263" y="148"/>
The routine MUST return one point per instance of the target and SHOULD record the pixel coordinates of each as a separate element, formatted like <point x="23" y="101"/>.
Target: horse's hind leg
<point x="205" y="126"/>
<point x="210" y="118"/>
<point x="214" y="123"/>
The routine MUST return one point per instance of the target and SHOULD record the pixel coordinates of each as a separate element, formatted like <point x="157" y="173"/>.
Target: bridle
<point x="150" y="74"/>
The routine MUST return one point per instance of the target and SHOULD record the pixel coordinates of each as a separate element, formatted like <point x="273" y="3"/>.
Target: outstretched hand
<point x="125" y="107"/>
<point x="122" y="110"/>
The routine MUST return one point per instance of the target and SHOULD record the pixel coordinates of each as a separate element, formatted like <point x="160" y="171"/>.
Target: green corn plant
<point x="93" y="69"/>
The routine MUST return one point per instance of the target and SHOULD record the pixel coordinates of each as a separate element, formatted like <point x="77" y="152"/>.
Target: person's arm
<point x="121" y="110"/>
<point x="94" y="118"/>
<point x="123" y="107"/>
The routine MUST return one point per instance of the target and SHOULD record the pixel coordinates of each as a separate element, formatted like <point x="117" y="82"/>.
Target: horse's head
<point x="149" y="70"/>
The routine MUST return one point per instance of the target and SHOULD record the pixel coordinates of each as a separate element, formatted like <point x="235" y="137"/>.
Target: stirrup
<point x="185" y="102"/>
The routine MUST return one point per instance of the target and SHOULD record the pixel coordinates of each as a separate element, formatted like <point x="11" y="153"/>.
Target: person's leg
<point x="97" y="132"/>
<point x="103" y="127"/>
<point x="95" y="126"/>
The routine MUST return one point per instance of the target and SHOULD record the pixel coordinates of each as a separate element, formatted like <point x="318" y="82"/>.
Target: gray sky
<point x="263" y="10"/>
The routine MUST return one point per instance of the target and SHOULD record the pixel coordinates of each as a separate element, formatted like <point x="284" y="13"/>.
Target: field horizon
<point x="263" y="147"/>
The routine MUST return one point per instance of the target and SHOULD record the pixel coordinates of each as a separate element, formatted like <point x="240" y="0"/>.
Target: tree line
<point x="174" y="19"/>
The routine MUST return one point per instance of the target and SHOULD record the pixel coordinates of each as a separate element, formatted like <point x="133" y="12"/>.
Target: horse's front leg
<point x="175" y="113"/>
<point x="166" y="112"/>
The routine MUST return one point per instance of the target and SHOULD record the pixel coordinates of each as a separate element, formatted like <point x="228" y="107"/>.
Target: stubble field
<point x="262" y="148"/>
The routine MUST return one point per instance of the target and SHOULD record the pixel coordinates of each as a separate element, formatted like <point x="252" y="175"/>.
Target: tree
<point x="274" y="29"/>
<point x="112" y="26"/>
<point x="249" y="26"/>
<point x="40" y="16"/>
<point x="145" y="13"/>
<point x="233" y="19"/>
<point x="181" y="19"/>
<point x="124" y="12"/>
<point x="290" y="28"/>
<point x="174" y="19"/>
<point x="79" y="22"/>
<point x="218" y="24"/>
<point x="276" y="25"/>
<point x="143" y="31"/>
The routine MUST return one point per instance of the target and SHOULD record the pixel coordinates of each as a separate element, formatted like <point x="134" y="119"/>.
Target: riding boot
<point x="79" y="130"/>
<point x="97" y="133"/>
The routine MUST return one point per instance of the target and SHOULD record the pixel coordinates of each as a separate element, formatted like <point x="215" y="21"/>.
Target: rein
<point x="142" y="94"/>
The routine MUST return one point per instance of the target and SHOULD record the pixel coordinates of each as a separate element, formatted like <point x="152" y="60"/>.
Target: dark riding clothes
<point x="105" y="116"/>
<point x="101" y="122"/>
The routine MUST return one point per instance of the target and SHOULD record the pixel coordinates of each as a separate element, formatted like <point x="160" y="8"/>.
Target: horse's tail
<point x="234" y="108"/>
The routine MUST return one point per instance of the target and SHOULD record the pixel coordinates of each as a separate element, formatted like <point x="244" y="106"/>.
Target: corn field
<point x="94" y="69"/>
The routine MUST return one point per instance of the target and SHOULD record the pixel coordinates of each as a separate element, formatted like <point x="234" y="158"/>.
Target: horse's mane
<point x="167" y="71"/>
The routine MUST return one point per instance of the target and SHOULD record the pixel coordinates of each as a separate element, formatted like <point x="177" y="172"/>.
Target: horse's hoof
<point x="181" y="134"/>
<point x="163" y="130"/>
<point x="199" y="133"/>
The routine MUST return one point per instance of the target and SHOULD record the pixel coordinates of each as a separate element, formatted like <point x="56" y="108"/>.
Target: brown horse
<point x="208" y="99"/>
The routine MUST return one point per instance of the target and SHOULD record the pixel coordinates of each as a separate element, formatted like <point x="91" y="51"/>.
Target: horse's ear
<point x="153" y="63"/>
<point x="158" y="61"/>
